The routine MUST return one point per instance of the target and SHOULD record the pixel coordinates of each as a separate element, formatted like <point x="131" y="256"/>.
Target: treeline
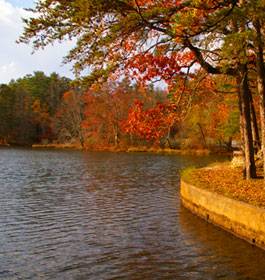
<point x="27" y="107"/>
<point x="48" y="109"/>
<point x="45" y="109"/>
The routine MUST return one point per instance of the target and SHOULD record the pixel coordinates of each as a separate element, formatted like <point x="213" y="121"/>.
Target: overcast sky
<point x="16" y="60"/>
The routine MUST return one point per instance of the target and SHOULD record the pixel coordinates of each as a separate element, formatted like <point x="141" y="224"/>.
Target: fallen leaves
<point x="229" y="182"/>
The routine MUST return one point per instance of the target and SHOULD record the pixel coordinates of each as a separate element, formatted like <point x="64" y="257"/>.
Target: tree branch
<point x="205" y="65"/>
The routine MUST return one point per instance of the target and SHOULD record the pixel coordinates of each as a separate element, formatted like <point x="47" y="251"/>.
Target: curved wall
<point x="242" y="219"/>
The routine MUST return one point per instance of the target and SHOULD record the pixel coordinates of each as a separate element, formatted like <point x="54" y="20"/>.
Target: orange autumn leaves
<point x="117" y="109"/>
<point x="151" y="124"/>
<point x="160" y="66"/>
<point x="229" y="182"/>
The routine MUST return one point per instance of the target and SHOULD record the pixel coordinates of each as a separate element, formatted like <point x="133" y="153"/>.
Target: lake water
<point x="101" y="215"/>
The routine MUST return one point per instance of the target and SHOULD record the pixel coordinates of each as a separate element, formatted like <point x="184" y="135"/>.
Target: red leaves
<point x="146" y="67"/>
<point x="152" y="123"/>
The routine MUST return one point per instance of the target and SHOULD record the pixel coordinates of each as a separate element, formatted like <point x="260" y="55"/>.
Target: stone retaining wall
<point x="241" y="219"/>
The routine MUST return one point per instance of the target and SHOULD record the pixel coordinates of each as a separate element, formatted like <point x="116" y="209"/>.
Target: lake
<point x="99" y="215"/>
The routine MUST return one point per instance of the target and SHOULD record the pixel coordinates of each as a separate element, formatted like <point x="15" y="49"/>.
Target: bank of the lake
<point x="136" y="149"/>
<point x="222" y="197"/>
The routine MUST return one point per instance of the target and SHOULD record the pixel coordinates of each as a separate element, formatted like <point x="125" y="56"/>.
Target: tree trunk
<point x="116" y="135"/>
<point x="81" y="139"/>
<point x="202" y="135"/>
<point x="168" y="141"/>
<point x="241" y="124"/>
<point x="250" y="167"/>
<point x="254" y="125"/>
<point x="261" y="85"/>
<point x="229" y="143"/>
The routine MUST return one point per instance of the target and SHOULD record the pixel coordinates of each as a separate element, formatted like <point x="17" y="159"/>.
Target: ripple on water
<point x="99" y="215"/>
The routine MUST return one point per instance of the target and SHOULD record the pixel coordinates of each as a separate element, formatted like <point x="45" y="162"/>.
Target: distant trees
<point x="106" y="108"/>
<point x="38" y="108"/>
<point x="27" y="106"/>
<point x="67" y="121"/>
<point x="188" y="118"/>
<point x="7" y="113"/>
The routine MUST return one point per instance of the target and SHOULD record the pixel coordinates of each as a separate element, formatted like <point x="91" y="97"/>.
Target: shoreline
<point x="140" y="149"/>
<point x="244" y="220"/>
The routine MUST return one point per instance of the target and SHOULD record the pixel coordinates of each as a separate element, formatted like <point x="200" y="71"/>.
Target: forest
<point x="209" y="54"/>
<point x="46" y="109"/>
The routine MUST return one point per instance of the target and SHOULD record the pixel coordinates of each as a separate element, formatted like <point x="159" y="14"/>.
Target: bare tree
<point x="67" y="126"/>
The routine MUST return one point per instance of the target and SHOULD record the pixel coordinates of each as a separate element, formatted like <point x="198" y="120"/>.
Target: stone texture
<point x="242" y="219"/>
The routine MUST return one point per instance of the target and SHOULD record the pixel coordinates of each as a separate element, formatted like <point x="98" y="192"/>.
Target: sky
<point x="17" y="60"/>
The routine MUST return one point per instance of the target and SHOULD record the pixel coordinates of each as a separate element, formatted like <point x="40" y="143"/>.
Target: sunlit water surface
<point x="100" y="215"/>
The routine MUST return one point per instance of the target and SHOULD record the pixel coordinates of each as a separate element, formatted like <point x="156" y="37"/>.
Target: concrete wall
<point x="242" y="219"/>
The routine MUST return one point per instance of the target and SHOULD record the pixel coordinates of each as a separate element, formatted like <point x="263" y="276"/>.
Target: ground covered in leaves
<point x="229" y="182"/>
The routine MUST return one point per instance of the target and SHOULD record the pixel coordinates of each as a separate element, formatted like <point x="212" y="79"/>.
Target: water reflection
<point x="230" y="257"/>
<point x="91" y="215"/>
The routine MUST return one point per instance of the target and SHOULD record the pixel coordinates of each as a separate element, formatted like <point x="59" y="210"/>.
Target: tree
<point x="106" y="108"/>
<point x="151" y="124"/>
<point x="115" y="37"/>
<point x="41" y="118"/>
<point x="259" y="52"/>
<point x="57" y="86"/>
<point x="7" y="113"/>
<point x="24" y="131"/>
<point x="27" y="106"/>
<point x="67" y="120"/>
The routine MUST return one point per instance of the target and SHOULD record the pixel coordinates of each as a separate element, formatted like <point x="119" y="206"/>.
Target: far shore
<point x="139" y="149"/>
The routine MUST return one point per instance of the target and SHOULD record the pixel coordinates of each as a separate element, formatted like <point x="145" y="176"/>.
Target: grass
<point x="186" y="174"/>
<point x="57" y="146"/>
<point x="167" y="151"/>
